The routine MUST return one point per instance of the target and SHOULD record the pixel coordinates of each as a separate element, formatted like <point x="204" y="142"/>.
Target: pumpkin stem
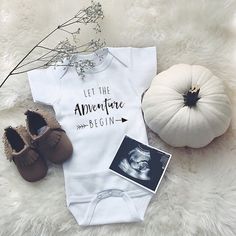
<point x="191" y="97"/>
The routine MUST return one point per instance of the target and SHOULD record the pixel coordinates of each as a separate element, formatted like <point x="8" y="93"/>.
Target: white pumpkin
<point x="187" y="105"/>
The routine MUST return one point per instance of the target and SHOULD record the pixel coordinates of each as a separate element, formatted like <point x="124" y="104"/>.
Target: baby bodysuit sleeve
<point x="143" y="67"/>
<point x="44" y="85"/>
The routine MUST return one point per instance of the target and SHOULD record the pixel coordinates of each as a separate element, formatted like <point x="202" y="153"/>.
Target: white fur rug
<point x="198" y="194"/>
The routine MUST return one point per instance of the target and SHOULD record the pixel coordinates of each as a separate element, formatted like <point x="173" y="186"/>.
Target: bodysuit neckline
<point x="102" y="59"/>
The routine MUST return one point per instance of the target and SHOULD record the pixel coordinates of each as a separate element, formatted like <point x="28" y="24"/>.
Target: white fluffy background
<point x="198" y="194"/>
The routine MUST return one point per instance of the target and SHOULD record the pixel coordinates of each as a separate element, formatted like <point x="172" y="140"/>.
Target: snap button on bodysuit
<point x="117" y="193"/>
<point x="109" y="193"/>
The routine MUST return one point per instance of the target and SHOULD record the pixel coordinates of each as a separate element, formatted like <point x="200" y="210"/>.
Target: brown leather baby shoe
<point x="18" y="148"/>
<point x="47" y="135"/>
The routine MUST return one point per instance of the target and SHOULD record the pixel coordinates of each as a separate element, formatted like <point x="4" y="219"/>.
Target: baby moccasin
<point x="18" y="149"/>
<point x="47" y="135"/>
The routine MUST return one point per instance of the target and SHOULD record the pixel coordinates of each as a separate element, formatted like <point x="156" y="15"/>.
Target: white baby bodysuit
<point x="96" y="112"/>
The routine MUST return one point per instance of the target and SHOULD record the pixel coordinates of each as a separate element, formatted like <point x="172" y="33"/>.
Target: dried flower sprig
<point x="65" y="49"/>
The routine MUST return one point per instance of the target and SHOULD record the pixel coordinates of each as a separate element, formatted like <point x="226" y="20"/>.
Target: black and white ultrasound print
<point x="140" y="163"/>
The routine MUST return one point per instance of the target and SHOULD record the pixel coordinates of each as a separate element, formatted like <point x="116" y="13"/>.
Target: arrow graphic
<point x="82" y="126"/>
<point x="122" y="120"/>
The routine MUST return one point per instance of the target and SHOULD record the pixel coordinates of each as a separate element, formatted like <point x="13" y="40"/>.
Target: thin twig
<point x="65" y="31"/>
<point x="93" y="11"/>
<point x="38" y="59"/>
<point x="11" y="72"/>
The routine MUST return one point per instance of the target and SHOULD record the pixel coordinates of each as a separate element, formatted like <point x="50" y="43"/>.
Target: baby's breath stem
<point x="64" y="49"/>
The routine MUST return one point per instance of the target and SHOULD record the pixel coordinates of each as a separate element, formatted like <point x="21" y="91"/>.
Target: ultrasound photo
<point x="140" y="163"/>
